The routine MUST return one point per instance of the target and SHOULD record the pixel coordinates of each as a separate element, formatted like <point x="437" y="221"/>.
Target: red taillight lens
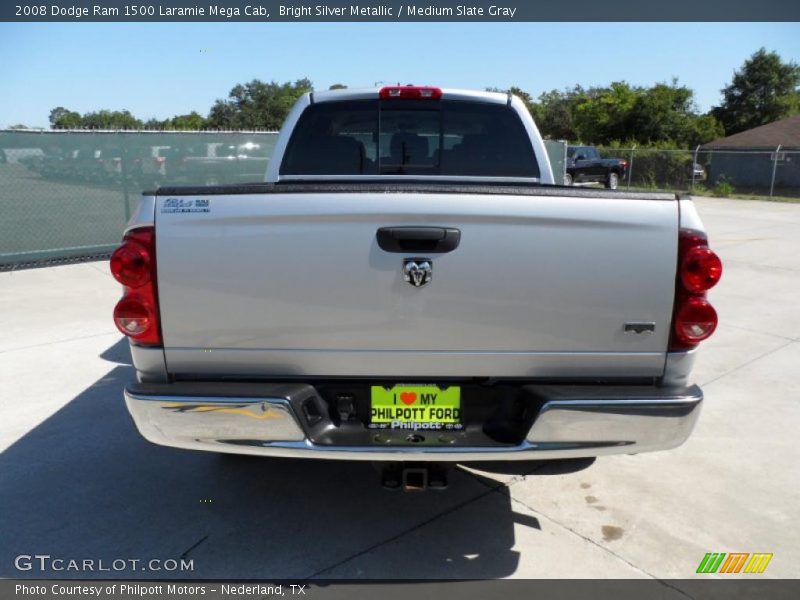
<point x="695" y="320"/>
<point x="701" y="269"/>
<point x="410" y="92"/>
<point x="133" y="316"/>
<point x="133" y="264"/>
<point x="130" y="264"/>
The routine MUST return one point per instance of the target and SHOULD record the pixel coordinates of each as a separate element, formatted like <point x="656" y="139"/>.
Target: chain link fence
<point x="67" y="194"/>
<point x="723" y="172"/>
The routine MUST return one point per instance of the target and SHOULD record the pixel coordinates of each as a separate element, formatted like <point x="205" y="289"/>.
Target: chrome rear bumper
<point x="574" y="421"/>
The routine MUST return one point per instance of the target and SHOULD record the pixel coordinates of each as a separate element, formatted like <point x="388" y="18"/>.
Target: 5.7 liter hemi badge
<point x="417" y="271"/>
<point x="182" y="205"/>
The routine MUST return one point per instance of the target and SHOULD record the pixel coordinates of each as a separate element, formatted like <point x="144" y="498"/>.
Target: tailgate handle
<point x="418" y="239"/>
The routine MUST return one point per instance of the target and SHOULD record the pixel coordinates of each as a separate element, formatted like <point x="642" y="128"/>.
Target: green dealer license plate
<point x="403" y="404"/>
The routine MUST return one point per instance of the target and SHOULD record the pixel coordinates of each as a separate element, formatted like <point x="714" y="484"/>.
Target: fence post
<point x="774" y="168"/>
<point x="694" y="162"/>
<point x="630" y="165"/>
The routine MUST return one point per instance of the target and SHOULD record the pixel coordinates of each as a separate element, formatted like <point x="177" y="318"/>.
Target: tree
<point x="61" y="118"/>
<point x="57" y="113"/>
<point x="338" y="86"/>
<point x="553" y="114"/>
<point x="664" y="113"/>
<point x="110" y="119"/>
<point x="764" y="90"/>
<point x="154" y="123"/>
<point x="600" y="114"/>
<point x="661" y="112"/>
<point x="704" y="128"/>
<point x="192" y="121"/>
<point x="257" y="105"/>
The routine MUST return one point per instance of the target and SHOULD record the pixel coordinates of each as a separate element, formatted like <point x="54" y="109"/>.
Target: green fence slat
<point x="69" y="194"/>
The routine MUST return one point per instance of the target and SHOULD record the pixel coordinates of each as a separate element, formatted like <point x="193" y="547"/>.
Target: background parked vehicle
<point x="61" y="164"/>
<point x="697" y="172"/>
<point x="584" y="165"/>
<point x="89" y="165"/>
<point x="217" y="163"/>
<point x="142" y="166"/>
<point x="32" y="163"/>
<point x="110" y="161"/>
<point x="19" y="155"/>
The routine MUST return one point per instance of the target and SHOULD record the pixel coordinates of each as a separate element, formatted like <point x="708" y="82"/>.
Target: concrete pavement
<point x="77" y="481"/>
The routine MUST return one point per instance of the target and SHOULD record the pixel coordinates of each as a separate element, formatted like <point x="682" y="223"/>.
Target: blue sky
<point x="158" y="70"/>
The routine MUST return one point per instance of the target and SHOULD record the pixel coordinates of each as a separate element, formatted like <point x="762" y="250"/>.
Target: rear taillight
<point x="695" y="320"/>
<point x="130" y="264"/>
<point x="699" y="269"/>
<point x="410" y="92"/>
<point x="133" y="264"/>
<point x="134" y="316"/>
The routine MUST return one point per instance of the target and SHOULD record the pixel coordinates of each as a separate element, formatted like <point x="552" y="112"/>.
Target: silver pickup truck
<point x="408" y="285"/>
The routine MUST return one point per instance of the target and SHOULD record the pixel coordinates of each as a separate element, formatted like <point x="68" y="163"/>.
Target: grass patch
<point x="725" y="190"/>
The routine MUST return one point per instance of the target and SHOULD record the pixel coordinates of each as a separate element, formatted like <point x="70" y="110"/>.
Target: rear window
<point x="407" y="137"/>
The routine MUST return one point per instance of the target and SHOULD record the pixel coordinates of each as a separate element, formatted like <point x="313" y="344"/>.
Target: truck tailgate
<point x="295" y="284"/>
